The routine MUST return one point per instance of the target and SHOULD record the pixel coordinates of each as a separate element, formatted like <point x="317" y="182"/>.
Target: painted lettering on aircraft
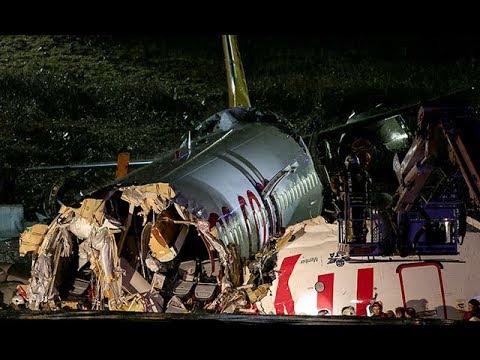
<point x="309" y="260"/>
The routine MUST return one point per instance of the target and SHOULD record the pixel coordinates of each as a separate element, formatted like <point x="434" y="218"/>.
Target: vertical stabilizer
<point x="237" y="83"/>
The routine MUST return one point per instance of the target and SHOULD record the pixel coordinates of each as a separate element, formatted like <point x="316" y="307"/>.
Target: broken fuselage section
<point x="186" y="232"/>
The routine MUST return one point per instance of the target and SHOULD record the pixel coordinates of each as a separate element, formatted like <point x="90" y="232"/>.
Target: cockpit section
<point x="228" y="119"/>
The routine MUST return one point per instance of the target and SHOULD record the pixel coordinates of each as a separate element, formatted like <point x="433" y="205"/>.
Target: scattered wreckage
<point x="193" y="230"/>
<point x="170" y="260"/>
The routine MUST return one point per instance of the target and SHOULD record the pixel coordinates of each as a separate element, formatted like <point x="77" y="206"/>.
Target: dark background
<point x="68" y="99"/>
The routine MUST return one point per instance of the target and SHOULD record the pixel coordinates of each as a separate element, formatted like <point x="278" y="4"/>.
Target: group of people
<point x="375" y="310"/>
<point x="399" y="313"/>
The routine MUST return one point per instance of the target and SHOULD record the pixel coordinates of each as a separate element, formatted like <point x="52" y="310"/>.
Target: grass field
<point x="72" y="99"/>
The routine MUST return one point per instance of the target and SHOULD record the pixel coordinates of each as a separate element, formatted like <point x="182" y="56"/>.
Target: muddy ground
<point x="79" y="99"/>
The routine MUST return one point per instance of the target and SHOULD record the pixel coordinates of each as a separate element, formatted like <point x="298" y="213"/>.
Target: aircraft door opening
<point x="422" y="287"/>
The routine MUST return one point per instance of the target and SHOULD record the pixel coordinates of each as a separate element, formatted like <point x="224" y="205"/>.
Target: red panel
<point x="325" y="297"/>
<point x="283" y="297"/>
<point x="364" y="290"/>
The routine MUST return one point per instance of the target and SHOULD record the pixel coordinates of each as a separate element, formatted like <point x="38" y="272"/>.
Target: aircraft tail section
<point x="237" y="83"/>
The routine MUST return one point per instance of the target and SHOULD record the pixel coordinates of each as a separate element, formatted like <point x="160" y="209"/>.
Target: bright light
<point x="307" y="304"/>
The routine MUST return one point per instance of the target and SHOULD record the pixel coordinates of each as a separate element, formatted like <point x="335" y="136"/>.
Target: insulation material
<point x="41" y="289"/>
<point x="38" y="291"/>
<point x="81" y="227"/>
<point x="70" y="305"/>
<point x="148" y="197"/>
<point x="164" y="191"/>
<point x="145" y="273"/>
<point x="162" y="235"/>
<point x="31" y="238"/>
<point x="92" y="210"/>
<point x="230" y="300"/>
<point x="51" y="237"/>
<point x="105" y="262"/>
<point x="160" y="249"/>
<point x="95" y="231"/>
<point x="259" y="293"/>
<point x="134" y="302"/>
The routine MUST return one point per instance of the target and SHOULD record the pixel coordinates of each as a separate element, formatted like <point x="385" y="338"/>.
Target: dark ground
<point x="78" y="99"/>
<point x="265" y="336"/>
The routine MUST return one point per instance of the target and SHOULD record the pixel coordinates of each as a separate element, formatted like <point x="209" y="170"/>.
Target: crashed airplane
<point x="186" y="223"/>
<point x="195" y="215"/>
<point x="230" y="222"/>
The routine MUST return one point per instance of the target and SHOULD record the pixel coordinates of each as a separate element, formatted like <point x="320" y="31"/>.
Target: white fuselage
<point x="307" y="282"/>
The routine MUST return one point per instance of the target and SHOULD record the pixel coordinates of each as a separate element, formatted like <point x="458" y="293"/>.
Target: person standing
<point x="473" y="310"/>
<point x="357" y="198"/>
<point x="377" y="309"/>
<point x="400" y="312"/>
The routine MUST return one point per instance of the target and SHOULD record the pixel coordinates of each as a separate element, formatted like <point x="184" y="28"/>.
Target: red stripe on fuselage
<point x="364" y="290"/>
<point x="283" y="297"/>
<point x="325" y="297"/>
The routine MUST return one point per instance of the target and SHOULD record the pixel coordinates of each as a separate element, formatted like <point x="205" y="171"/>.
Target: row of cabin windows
<point x="299" y="189"/>
<point x="285" y="200"/>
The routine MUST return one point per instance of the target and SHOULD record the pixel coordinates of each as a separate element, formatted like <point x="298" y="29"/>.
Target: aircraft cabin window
<point x="249" y="223"/>
<point x="237" y="236"/>
<point x="303" y="184"/>
<point x="311" y="181"/>
<point x="297" y="191"/>
<point x="265" y="214"/>
<point x="256" y="220"/>
<point x="232" y="236"/>
<point x="282" y="201"/>
<point x="289" y="197"/>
